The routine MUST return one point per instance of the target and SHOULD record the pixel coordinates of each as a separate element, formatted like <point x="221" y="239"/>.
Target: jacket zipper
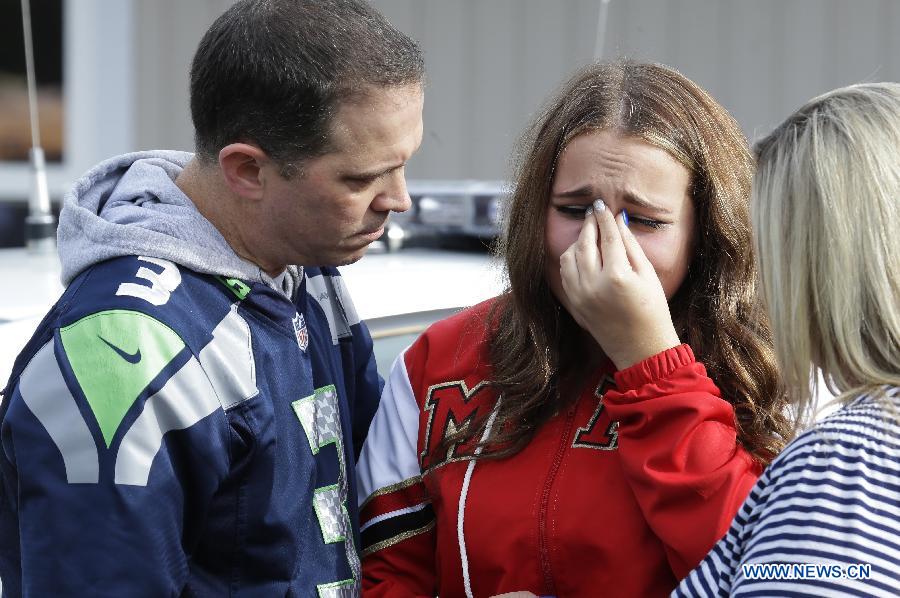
<point x="543" y="541"/>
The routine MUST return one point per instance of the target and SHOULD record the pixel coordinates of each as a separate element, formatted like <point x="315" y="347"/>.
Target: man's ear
<point x="241" y="164"/>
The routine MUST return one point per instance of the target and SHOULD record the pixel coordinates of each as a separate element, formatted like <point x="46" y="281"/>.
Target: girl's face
<point x="628" y="174"/>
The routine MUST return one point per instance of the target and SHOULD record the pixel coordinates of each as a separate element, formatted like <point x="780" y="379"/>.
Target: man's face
<point x="340" y="202"/>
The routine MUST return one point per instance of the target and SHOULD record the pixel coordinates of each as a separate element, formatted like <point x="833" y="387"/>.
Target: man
<point x="186" y="419"/>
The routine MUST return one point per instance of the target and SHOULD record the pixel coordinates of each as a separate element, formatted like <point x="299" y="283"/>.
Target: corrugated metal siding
<point x="490" y="66"/>
<point x="491" y="63"/>
<point x="168" y="32"/>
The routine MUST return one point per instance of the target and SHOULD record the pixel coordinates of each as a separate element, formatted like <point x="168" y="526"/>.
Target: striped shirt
<point x="824" y="518"/>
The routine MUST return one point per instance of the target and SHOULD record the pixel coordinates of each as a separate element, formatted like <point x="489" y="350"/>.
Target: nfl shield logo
<point x="300" y="331"/>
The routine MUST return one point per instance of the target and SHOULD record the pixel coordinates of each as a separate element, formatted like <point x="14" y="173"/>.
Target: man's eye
<point x="361" y="181"/>
<point x="572" y="211"/>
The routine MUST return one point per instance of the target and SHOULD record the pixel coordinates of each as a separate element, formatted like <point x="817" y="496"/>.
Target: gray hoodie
<point x="130" y="205"/>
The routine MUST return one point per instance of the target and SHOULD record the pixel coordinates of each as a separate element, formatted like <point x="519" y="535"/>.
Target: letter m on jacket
<point x="451" y="407"/>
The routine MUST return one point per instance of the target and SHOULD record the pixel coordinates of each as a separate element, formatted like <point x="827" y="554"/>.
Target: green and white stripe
<point x="47" y="396"/>
<point x="224" y="376"/>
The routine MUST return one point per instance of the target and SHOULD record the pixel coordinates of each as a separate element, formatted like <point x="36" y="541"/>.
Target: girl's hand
<point x="613" y="291"/>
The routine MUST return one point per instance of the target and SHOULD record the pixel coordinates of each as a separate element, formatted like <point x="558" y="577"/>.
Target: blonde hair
<point x="826" y="211"/>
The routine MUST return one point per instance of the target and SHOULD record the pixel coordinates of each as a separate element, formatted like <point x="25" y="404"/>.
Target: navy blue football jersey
<point x="170" y="433"/>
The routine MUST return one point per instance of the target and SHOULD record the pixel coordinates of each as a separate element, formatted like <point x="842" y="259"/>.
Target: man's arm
<point x="352" y="338"/>
<point x="368" y="385"/>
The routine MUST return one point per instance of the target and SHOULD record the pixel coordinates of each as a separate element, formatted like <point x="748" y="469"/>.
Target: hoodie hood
<point x="130" y="205"/>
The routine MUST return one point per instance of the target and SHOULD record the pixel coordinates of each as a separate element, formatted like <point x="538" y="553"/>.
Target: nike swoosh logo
<point x="129" y="357"/>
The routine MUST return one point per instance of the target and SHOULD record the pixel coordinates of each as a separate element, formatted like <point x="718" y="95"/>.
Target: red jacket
<point x="620" y="495"/>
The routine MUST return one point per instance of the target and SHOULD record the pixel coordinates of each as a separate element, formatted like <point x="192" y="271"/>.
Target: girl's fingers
<point x="636" y="256"/>
<point x="587" y="254"/>
<point x="568" y="269"/>
<point x="611" y="248"/>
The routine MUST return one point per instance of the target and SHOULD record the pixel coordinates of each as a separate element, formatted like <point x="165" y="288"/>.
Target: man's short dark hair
<point x="273" y="73"/>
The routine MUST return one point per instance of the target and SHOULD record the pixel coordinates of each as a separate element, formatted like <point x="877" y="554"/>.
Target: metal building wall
<point x="491" y="63"/>
<point x="167" y="33"/>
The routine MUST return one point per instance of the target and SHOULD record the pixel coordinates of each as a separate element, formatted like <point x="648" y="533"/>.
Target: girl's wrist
<point x="654" y="368"/>
<point x="644" y="348"/>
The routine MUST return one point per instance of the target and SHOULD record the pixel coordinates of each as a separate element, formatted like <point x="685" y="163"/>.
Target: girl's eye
<point x="572" y="211"/>
<point x="578" y="211"/>
<point x="655" y="224"/>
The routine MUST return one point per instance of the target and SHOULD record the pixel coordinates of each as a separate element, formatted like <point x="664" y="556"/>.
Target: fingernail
<point x="589" y="211"/>
<point x="625" y="217"/>
<point x="599" y="205"/>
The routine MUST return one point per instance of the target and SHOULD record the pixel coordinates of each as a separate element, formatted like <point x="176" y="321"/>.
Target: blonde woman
<point x="825" y="516"/>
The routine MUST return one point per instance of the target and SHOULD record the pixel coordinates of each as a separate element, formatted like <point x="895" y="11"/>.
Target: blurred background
<point x="113" y="77"/>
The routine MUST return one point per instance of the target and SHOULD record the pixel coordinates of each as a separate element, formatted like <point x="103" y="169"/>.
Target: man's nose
<point x="394" y="196"/>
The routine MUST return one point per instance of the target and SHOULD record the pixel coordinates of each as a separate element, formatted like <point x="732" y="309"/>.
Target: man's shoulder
<point x="125" y="331"/>
<point x="149" y="285"/>
<point x="136" y="301"/>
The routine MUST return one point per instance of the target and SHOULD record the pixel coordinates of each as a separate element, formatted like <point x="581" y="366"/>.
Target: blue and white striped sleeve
<point x="823" y="520"/>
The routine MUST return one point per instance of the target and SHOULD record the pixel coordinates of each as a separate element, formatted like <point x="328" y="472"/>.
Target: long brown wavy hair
<point x="716" y="310"/>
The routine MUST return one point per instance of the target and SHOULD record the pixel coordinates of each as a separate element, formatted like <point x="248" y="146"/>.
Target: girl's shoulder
<point x="470" y="326"/>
